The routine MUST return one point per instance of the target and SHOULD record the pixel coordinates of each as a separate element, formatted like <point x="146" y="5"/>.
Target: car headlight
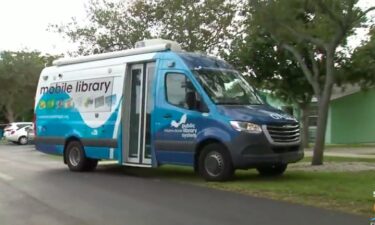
<point x="247" y="127"/>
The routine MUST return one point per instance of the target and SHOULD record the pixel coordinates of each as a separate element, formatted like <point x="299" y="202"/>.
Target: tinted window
<point x="194" y="61"/>
<point x="181" y="92"/>
<point x="22" y="125"/>
<point x="227" y="87"/>
<point x="28" y="127"/>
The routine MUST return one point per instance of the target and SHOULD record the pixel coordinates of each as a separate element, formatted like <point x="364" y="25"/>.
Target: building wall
<point x="328" y="138"/>
<point x="352" y="119"/>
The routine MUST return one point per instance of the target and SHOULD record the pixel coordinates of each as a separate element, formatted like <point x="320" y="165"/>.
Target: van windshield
<point x="226" y="87"/>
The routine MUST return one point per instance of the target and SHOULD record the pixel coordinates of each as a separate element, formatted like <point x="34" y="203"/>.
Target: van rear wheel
<point x="215" y="163"/>
<point x="76" y="158"/>
<point x="272" y="170"/>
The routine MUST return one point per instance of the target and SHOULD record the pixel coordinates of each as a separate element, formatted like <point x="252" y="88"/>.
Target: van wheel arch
<point x="70" y="139"/>
<point x="200" y="147"/>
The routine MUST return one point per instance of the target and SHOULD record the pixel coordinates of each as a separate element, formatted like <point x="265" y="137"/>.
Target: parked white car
<point x="18" y="132"/>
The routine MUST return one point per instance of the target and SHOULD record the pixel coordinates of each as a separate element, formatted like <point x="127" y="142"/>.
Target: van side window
<point x="181" y="92"/>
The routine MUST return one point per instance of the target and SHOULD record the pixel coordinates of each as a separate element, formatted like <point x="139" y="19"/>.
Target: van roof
<point x="109" y="55"/>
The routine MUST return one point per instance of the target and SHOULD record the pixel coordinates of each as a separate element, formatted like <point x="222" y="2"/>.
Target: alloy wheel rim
<point x="23" y="140"/>
<point x="74" y="156"/>
<point x="214" y="164"/>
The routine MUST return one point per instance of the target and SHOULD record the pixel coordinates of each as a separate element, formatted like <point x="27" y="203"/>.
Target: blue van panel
<point x="57" y="127"/>
<point x="173" y="157"/>
<point x="97" y="152"/>
<point x="50" y="149"/>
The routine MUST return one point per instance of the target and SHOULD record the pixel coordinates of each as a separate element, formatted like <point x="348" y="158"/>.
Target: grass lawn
<point x="341" y="159"/>
<point x="349" y="147"/>
<point x="349" y="192"/>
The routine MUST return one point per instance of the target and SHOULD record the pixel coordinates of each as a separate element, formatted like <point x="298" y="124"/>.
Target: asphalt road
<point x="35" y="189"/>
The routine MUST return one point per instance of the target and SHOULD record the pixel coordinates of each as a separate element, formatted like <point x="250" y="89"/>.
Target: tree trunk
<point x="305" y="124"/>
<point x="9" y="113"/>
<point x="323" y="108"/>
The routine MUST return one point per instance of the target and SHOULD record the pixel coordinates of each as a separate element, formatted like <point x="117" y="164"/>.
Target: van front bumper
<point x="253" y="161"/>
<point x="254" y="150"/>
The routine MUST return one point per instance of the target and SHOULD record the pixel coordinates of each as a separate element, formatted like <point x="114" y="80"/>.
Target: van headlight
<point x="247" y="127"/>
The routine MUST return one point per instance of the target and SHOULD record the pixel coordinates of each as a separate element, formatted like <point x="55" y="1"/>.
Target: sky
<point x="24" y="23"/>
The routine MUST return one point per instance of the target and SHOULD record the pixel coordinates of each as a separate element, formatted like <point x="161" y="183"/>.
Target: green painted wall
<point x="328" y="138"/>
<point x="352" y="119"/>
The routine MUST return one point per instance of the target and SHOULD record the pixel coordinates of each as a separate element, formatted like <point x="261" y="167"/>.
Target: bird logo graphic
<point x="176" y="124"/>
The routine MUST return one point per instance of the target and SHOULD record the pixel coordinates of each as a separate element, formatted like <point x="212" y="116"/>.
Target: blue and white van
<point x="156" y="104"/>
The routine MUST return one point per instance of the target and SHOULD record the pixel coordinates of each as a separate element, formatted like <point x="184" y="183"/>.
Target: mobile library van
<point x="156" y="104"/>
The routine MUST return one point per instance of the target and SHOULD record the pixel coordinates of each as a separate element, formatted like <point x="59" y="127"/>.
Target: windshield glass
<point x="226" y="87"/>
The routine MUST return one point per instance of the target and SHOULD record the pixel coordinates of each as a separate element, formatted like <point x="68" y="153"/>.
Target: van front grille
<point x="283" y="134"/>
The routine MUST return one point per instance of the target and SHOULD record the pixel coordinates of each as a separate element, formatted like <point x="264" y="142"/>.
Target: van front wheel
<point x="272" y="170"/>
<point x="76" y="158"/>
<point x="215" y="163"/>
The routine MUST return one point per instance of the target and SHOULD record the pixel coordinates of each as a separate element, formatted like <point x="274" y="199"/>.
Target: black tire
<point x="215" y="163"/>
<point x="76" y="158"/>
<point x="22" y="140"/>
<point x="272" y="170"/>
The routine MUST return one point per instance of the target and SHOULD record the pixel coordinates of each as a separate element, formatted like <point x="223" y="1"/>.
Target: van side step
<point x="137" y="165"/>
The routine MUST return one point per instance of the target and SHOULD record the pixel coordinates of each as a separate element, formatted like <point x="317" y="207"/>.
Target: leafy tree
<point x="321" y="27"/>
<point x="19" y="73"/>
<point x="202" y="25"/>
<point x="270" y="68"/>
<point x="361" y="66"/>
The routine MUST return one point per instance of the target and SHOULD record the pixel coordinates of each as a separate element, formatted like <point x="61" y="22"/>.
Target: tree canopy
<point x="202" y="25"/>
<point x="361" y="66"/>
<point x="19" y="73"/>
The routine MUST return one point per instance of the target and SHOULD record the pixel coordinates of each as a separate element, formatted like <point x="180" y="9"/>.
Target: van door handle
<point x="167" y="116"/>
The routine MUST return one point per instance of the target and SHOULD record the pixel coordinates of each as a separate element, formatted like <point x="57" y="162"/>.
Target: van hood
<point x="258" y="114"/>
